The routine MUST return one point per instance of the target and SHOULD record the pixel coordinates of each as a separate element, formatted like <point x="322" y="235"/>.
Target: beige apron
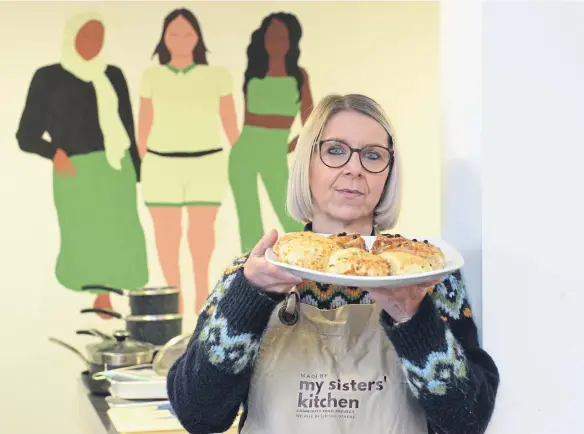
<point x="329" y="371"/>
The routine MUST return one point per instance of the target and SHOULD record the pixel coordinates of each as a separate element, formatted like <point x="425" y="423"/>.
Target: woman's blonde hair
<point x="300" y="204"/>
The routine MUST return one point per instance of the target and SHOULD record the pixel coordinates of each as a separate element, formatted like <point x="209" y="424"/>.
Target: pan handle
<point x="70" y="348"/>
<point x="102" y="288"/>
<point x="102" y="310"/>
<point x="96" y="333"/>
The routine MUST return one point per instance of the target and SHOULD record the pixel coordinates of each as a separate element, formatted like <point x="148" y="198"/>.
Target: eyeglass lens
<point x="336" y="154"/>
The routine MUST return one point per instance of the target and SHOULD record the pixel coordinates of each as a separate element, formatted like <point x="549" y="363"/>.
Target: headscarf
<point x="115" y="136"/>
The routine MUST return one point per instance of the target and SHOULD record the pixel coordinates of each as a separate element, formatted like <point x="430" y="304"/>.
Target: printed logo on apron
<point x="329" y="371"/>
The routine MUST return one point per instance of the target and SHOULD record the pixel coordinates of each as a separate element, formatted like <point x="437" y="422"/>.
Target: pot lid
<point x="122" y="347"/>
<point x="167" y="290"/>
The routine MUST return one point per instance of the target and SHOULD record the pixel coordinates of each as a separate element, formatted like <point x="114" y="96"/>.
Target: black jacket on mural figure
<point x="66" y="108"/>
<point x="209" y="383"/>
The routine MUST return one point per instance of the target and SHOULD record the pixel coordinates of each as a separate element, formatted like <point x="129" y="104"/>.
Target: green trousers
<point x="263" y="152"/>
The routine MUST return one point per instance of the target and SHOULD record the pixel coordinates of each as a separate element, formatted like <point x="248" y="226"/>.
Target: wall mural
<point x="276" y="89"/>
<point x="182" y="101"/>
<point x="84" y="106"/>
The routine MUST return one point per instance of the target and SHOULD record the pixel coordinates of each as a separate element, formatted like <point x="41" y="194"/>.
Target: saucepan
<point x="146" y="301"/>
<point x="161" y="364"/>
<point x="115" y="352"/>
<point x="155" y="329"/>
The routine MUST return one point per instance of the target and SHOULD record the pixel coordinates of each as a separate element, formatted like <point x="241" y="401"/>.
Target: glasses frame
<point x="358" y="151"/>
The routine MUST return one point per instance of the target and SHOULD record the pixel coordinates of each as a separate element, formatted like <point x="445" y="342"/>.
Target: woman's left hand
<point x="401" y="303"/>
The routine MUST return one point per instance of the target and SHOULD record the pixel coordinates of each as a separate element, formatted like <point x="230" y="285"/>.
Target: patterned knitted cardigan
<point x="454" y="380"/>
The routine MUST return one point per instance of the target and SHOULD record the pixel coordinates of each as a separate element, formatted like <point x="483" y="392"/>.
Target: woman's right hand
<point x="264" y="275"/>
<point x="63" y="165"/>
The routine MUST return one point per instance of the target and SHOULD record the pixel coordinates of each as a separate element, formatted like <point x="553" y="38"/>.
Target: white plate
<point x="453" y="262"/>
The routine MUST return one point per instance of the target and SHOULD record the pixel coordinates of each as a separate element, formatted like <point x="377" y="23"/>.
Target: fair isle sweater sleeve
<point x="209" y="382"/>
<point x="454" y="380"/>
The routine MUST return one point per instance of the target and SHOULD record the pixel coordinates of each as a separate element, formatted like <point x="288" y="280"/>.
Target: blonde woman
<point x="396" y="361"/>
<point x="183" y="102"/>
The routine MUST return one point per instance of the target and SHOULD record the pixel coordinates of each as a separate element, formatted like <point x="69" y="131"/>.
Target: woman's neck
<point x="276" y="67"/>
<point x="181" y="62"/>
<point x="325" y="225"/>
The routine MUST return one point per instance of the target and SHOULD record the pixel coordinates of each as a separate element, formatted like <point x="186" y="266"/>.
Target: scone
<point x="405" y="263"/>
<point x="305" y="250"/>
<point x="397" y="243"/>
<point x="347" y="241"/>
<point x="357" y="262"/>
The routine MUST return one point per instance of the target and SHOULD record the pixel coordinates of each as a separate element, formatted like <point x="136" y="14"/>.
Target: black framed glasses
<point x="373" y="158"/>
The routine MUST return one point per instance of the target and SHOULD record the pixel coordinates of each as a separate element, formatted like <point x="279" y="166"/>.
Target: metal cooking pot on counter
<point x="155" y="329"/>
<point x="118" y="351"/>
<point x="146" y="301"/>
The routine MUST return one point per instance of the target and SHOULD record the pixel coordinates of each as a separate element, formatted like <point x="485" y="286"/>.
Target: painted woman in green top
<point x="276" y="89"/>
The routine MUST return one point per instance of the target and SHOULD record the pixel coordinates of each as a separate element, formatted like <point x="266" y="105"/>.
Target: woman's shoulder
<point x="115" y="72"/>
<point x="49" y="72"/>
<point x="153" y="71"/>
<point x="217" y="71"/>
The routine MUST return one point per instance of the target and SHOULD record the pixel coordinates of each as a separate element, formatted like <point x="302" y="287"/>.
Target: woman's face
<point x="350" y="193"/>
<point x="89" y="40"/>
<point x="180" y="37"/>
<point x="277" y="39"/>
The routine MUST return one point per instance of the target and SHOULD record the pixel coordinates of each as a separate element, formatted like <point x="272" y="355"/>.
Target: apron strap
<point x="288" y="313"/>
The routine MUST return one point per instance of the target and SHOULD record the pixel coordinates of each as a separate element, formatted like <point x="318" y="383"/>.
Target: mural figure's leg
<point x="167" y="232"/>
<point x="201" y="239"/>
<point x="243" y="178"/>
<point x="274" y="173"/>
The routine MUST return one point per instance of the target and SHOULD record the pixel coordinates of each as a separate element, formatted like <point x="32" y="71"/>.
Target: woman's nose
<point x="354" y="164"/>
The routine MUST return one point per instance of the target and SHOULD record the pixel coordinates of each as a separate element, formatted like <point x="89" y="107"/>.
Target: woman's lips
<point x="348" y="193"/>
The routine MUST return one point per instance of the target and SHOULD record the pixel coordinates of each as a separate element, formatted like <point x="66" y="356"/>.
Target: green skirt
<point x="102" y="240"/>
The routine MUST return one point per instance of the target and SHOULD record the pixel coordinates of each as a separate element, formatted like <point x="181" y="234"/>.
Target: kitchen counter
<point x="94" y="409"/>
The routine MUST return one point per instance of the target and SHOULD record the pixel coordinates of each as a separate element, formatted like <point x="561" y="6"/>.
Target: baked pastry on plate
<point x="405" y="263"/>
<point x="396" y="243"/>
<point x="349" y="240"/>
<point x="305" y="250"/>
<point x="355" y="261"/>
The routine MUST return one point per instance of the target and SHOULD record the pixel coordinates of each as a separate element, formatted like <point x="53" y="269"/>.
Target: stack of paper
<point x="145" y="419"/>
<point x="155" y="417"/>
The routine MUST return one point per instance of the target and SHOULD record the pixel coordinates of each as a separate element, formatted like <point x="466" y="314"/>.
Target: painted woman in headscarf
<point x="184" y="105"/>
<point x="276" y="90"/>
<point x="83" y="105"/>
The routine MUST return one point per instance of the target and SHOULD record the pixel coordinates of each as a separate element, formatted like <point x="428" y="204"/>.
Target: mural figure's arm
<point x="33" y="122"/>
<point x="306" y="104"/>
<point x="127" y="117"/>
<point x="229" y="118"/>
<point x="145" y="119"/>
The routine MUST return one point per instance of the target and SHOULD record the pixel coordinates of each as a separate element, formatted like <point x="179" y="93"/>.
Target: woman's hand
<point x="263" y="275"/>
<point x="63" y="164"/>
<point x="401" y="303"/>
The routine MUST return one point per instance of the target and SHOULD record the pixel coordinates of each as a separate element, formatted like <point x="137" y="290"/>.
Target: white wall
<point x="531" y="147"/>
<point x="461" y="59"/>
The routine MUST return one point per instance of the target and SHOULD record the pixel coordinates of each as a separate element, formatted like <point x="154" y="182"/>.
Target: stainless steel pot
<point x="146" y="301"/>
<point x="120" y="352"/>
<point x="114" y="352"/>
<point x="155" y="329"/>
